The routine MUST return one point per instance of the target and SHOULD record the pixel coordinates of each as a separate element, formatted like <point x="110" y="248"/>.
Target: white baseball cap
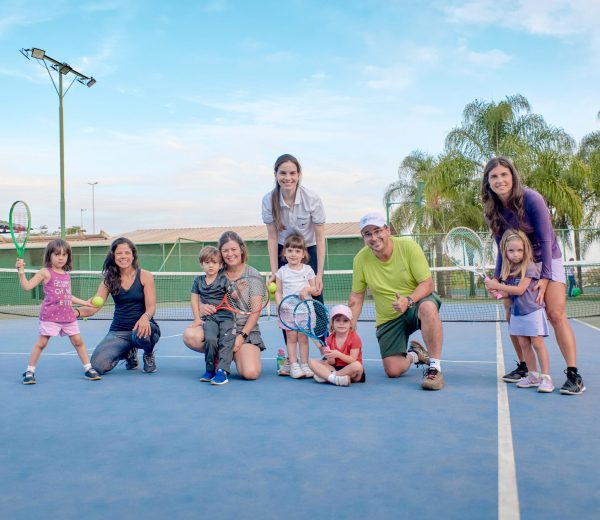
<point x="344" y="310"/>
<point x="372" y="219"/>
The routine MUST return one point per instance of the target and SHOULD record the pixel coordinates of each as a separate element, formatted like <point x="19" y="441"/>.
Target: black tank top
<point x="130" y="304"/>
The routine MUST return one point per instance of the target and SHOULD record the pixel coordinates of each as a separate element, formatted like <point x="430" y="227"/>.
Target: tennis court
<point x="166" y="445"/>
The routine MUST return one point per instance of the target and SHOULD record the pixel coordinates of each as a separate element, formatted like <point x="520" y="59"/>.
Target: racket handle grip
<point x="498" y="296"/>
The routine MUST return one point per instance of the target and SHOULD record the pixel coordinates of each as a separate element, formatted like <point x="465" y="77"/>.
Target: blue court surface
<point x="164" y="445"/>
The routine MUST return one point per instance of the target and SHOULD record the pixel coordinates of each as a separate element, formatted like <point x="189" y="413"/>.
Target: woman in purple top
<point x="508" y="204"/>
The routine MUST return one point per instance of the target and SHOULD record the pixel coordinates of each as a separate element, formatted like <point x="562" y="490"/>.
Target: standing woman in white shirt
<point x="292" y="208"/>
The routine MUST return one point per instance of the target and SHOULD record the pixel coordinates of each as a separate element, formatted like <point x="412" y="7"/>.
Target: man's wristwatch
<point x="410" y="301"/>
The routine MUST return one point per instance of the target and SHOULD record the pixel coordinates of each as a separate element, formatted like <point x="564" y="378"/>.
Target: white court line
<point x="508" y="493"/>
<point x="587" y="325"/>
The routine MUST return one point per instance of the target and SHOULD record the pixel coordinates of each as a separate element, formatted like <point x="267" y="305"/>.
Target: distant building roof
<point x="169" y="236"/>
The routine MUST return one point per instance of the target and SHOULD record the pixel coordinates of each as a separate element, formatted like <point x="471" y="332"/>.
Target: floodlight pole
<point x="62" y="69"/>
<point x="61" y="131"/>
<point x="81" y="226"/>
<point x="93" y="185"/>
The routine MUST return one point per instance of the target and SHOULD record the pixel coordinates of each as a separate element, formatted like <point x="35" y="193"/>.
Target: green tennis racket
<point x="19" y="221"/>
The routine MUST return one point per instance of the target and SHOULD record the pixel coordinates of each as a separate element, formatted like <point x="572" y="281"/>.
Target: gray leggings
<point x="117" y="343"/>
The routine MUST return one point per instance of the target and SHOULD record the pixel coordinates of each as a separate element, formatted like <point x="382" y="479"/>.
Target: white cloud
<point x="397" y="77"/>
<point x="494" y="59"/>
<point x="551" y="17"/>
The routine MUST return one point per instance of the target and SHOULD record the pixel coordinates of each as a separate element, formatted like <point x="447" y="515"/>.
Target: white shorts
<point x="558" y="270"/>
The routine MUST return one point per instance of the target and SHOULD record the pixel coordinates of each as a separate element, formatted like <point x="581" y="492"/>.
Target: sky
<point x="195" y="100"/>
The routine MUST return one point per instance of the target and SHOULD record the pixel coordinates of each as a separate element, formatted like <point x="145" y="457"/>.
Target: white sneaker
<point x="296" y="372"/>
<point x="546" y="385"/>
<point x="342" y="380"/>
<point x="306" y="369"/>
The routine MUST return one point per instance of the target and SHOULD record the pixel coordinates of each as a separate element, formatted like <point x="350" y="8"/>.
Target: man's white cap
<point x="372" y="219"/>
<point x="344" y="310"/>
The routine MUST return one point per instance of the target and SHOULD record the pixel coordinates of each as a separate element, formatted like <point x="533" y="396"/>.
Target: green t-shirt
<point x="406" y="268"/>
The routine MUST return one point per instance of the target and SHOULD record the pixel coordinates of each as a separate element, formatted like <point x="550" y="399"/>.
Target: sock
<point x="435" y="363"/>
<point x="534" y="374"/>
<point x="572" y="369"/>
<point x="522" y="365"/>
<point x="30" y="369"/>
<point x="413" y="357"/>
<point x="87" y="366"/>
<point x="331" y="378"/>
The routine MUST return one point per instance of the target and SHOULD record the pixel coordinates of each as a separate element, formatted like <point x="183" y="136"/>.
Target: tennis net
<point x="463" y="294"/>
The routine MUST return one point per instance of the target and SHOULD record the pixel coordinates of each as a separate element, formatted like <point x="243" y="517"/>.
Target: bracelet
<point x="243" y="334"/>
<point x="148" y="315"/>
<point x="78" y="313"/>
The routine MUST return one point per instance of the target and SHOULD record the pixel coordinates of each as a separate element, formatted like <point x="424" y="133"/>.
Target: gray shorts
<point x="254" y="338"/>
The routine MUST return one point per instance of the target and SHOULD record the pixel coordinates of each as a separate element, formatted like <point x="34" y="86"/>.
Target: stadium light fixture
<point x="63" y="69"/>
<point x="38" y="54"/>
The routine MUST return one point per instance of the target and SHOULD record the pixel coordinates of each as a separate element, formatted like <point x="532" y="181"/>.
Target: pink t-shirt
<point x="352" y="342"/>
<point x="57" y="304"/>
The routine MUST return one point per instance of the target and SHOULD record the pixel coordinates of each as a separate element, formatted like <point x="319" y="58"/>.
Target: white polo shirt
<point x="301" y="218"/>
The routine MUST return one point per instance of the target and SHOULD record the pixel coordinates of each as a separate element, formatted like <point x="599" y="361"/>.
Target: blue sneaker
<point x="220" y="378"/>
<point x="207" y="376"/>
<point x="29" y="378"/>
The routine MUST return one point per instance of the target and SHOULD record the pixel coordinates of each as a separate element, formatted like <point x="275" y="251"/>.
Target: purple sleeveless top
<point x="57" y="306"/>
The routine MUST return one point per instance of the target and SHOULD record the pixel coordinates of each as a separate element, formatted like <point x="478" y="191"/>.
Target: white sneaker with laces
<point x="306" y="369"/>
<point x="296" y="372"/>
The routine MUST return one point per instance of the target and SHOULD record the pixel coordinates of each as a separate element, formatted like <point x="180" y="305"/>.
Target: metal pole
<point x="63" y="230"/>
<point x="93" y="185"/>
<point x="81" y="226"/>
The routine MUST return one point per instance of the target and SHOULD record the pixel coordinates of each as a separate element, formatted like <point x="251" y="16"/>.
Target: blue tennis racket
<point x="310" y="317"/>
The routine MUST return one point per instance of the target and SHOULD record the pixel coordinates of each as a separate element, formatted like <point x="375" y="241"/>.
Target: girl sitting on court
<point x="295" y="277"/>
<point x="342" y="361"/>
<point x="57" y="316"/>
<point x="528" y="320"/>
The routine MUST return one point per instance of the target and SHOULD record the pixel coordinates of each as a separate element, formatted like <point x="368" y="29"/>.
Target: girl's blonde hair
<point x="352" y="328"/>
<point x="509" y="269"/>
<point x="295" y="240"/>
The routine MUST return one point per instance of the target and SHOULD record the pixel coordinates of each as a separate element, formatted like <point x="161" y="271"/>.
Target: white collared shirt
<point x="306" y="211"/>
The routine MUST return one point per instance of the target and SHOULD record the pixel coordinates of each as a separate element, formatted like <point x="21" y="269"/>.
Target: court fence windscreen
<point x="463" y="294"/>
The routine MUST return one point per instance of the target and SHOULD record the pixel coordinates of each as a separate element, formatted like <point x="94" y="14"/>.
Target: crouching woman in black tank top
<point x="133" y="325"/>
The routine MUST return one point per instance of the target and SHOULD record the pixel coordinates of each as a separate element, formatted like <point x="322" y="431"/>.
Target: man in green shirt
<point x="397" y="273"/>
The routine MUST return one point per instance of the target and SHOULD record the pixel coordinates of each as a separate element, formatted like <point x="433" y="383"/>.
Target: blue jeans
<point x="116" y="345"/>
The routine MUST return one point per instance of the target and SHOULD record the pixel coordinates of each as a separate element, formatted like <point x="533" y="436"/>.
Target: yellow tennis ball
<point x="97" y="301"/>
<point x="272" y="287"/>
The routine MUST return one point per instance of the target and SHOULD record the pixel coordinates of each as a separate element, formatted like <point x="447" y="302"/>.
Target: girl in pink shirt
<point x="57" y="316"/>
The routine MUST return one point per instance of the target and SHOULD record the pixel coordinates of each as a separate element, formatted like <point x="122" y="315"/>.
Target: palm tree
<point x="505" y="128"/>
